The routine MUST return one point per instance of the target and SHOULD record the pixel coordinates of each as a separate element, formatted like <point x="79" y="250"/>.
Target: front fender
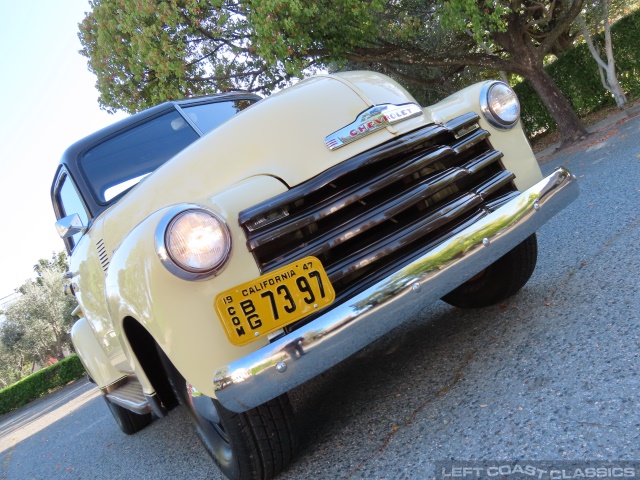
<point x="179" y="314"/>
<point x="517" y="159"/>
<point x="92" y="356"/>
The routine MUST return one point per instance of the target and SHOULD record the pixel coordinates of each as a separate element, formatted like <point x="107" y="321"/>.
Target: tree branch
<point x="405" y="56"/>
<point x="561" y="26"/>
<point x="589" y="41"/>
<point x="420" y="82"/>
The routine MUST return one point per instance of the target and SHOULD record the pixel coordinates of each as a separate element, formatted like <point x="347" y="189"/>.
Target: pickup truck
<point x="226" y="249"/>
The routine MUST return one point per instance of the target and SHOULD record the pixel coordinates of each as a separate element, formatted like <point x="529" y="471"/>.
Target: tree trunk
<point x="613" y="85"/>
<point x="612" y="79"/>
<point x="606" y="69"/>
<point x="20" y="367"/>
<point x="569" y="125"/>
<point x="58" y="354"/>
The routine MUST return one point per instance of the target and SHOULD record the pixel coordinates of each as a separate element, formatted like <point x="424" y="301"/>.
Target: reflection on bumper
<point x="347" y="328"/>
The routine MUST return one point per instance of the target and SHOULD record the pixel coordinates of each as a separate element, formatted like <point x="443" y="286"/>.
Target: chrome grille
<point x="380" y="209"/>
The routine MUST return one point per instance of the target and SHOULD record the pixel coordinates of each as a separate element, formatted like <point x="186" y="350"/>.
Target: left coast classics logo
<point x="372" y="119"/>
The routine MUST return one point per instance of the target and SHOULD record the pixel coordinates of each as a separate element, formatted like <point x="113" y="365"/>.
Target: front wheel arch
<point x="257" y="444"/>
<point x="145" y="348"/>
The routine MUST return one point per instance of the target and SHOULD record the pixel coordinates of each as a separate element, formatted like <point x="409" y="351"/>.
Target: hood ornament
<point x="372" y="119"/>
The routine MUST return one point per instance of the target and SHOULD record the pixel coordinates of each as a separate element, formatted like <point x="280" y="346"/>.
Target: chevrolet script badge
<point x="372" y="119"/>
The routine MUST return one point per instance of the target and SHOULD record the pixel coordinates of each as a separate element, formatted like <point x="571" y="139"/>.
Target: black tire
<point x="498" y="281"/>
<point x="256" y="444"/>
<point x="128" y="421"/>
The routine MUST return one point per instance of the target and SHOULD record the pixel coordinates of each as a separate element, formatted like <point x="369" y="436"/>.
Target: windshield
<point x="208" y="116"/>
<point x="111" y="166"/>
<point x="122" y="161"/>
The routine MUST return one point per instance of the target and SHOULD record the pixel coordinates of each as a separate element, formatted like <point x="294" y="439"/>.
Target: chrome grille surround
<point x="375" y="212"/>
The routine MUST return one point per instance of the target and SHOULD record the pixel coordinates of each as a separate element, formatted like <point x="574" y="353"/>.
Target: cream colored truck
<point x="225" y="250"/>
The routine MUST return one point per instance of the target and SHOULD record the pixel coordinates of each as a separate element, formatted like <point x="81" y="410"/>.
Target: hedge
<point x="576" y="74"/>
<point x="40" y="383"/>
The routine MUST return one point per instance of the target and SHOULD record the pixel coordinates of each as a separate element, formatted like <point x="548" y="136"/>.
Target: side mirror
<point x="70" y="225"/>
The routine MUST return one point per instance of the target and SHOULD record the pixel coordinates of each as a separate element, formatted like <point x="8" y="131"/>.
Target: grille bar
<point x="405" y="144"/>
<point x="462" y="122"/>
<point x="415" y="231"/>
<point x="384" y="211"/>
<point x="347" y="197"/>
<point x="470" y="140"/>
<point x="376" y="210"/>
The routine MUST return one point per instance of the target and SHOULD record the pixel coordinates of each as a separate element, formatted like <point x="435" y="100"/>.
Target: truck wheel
<point x="128" y="421"/>
<point x="256" y="444"/>
<point x="498" y="281"/>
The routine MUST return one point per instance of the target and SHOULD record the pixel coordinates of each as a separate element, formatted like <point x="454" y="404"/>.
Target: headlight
<point x="192" y="242"/>
<point x="500" y="105"/>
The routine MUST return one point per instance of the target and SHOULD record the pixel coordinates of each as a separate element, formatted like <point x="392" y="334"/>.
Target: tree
<point x="12" y="361"/>
<point x="523" y="34"/>
<point x="58" y="262"/>
<point x="7" y="369"/>
<point x="37" y="324"/>
<point x="146" y="51"/>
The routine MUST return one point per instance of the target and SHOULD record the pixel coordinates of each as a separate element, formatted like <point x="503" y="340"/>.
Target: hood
<point x="282" y="136"/>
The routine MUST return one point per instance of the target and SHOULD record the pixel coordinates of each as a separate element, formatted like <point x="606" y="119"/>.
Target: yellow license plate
<point x="268" y="303"/>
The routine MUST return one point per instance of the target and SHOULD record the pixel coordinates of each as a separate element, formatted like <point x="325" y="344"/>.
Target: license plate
<point x="272" y="301"/>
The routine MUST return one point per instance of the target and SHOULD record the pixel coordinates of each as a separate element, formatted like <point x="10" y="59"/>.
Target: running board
<point x="129" y="395"/>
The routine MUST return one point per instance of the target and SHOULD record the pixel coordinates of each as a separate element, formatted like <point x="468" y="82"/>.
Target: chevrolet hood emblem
<point x="372" y="119"/>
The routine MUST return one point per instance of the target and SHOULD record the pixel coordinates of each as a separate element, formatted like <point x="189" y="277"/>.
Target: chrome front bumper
<point x="347" y="328"/>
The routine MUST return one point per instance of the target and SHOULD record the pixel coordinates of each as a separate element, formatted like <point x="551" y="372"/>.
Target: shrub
<point x="576" y="74"/>
<point x="40" y="382"/>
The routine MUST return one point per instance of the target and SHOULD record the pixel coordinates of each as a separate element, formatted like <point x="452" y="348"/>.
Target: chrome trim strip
<point x="342" y="331"/>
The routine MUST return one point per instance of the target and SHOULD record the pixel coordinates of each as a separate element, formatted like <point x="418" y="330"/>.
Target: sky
<point x="50" y="101"/>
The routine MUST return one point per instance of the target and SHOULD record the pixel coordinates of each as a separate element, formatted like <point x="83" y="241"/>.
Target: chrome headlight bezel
<point x="169" y="260"/>
<point x="488" y="109"/>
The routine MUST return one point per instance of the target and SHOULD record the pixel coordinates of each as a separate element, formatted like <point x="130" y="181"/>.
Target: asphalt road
<point x="551" y="375"/>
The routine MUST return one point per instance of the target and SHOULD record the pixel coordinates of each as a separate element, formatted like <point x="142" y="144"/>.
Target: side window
<point x="70" y="202"/>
